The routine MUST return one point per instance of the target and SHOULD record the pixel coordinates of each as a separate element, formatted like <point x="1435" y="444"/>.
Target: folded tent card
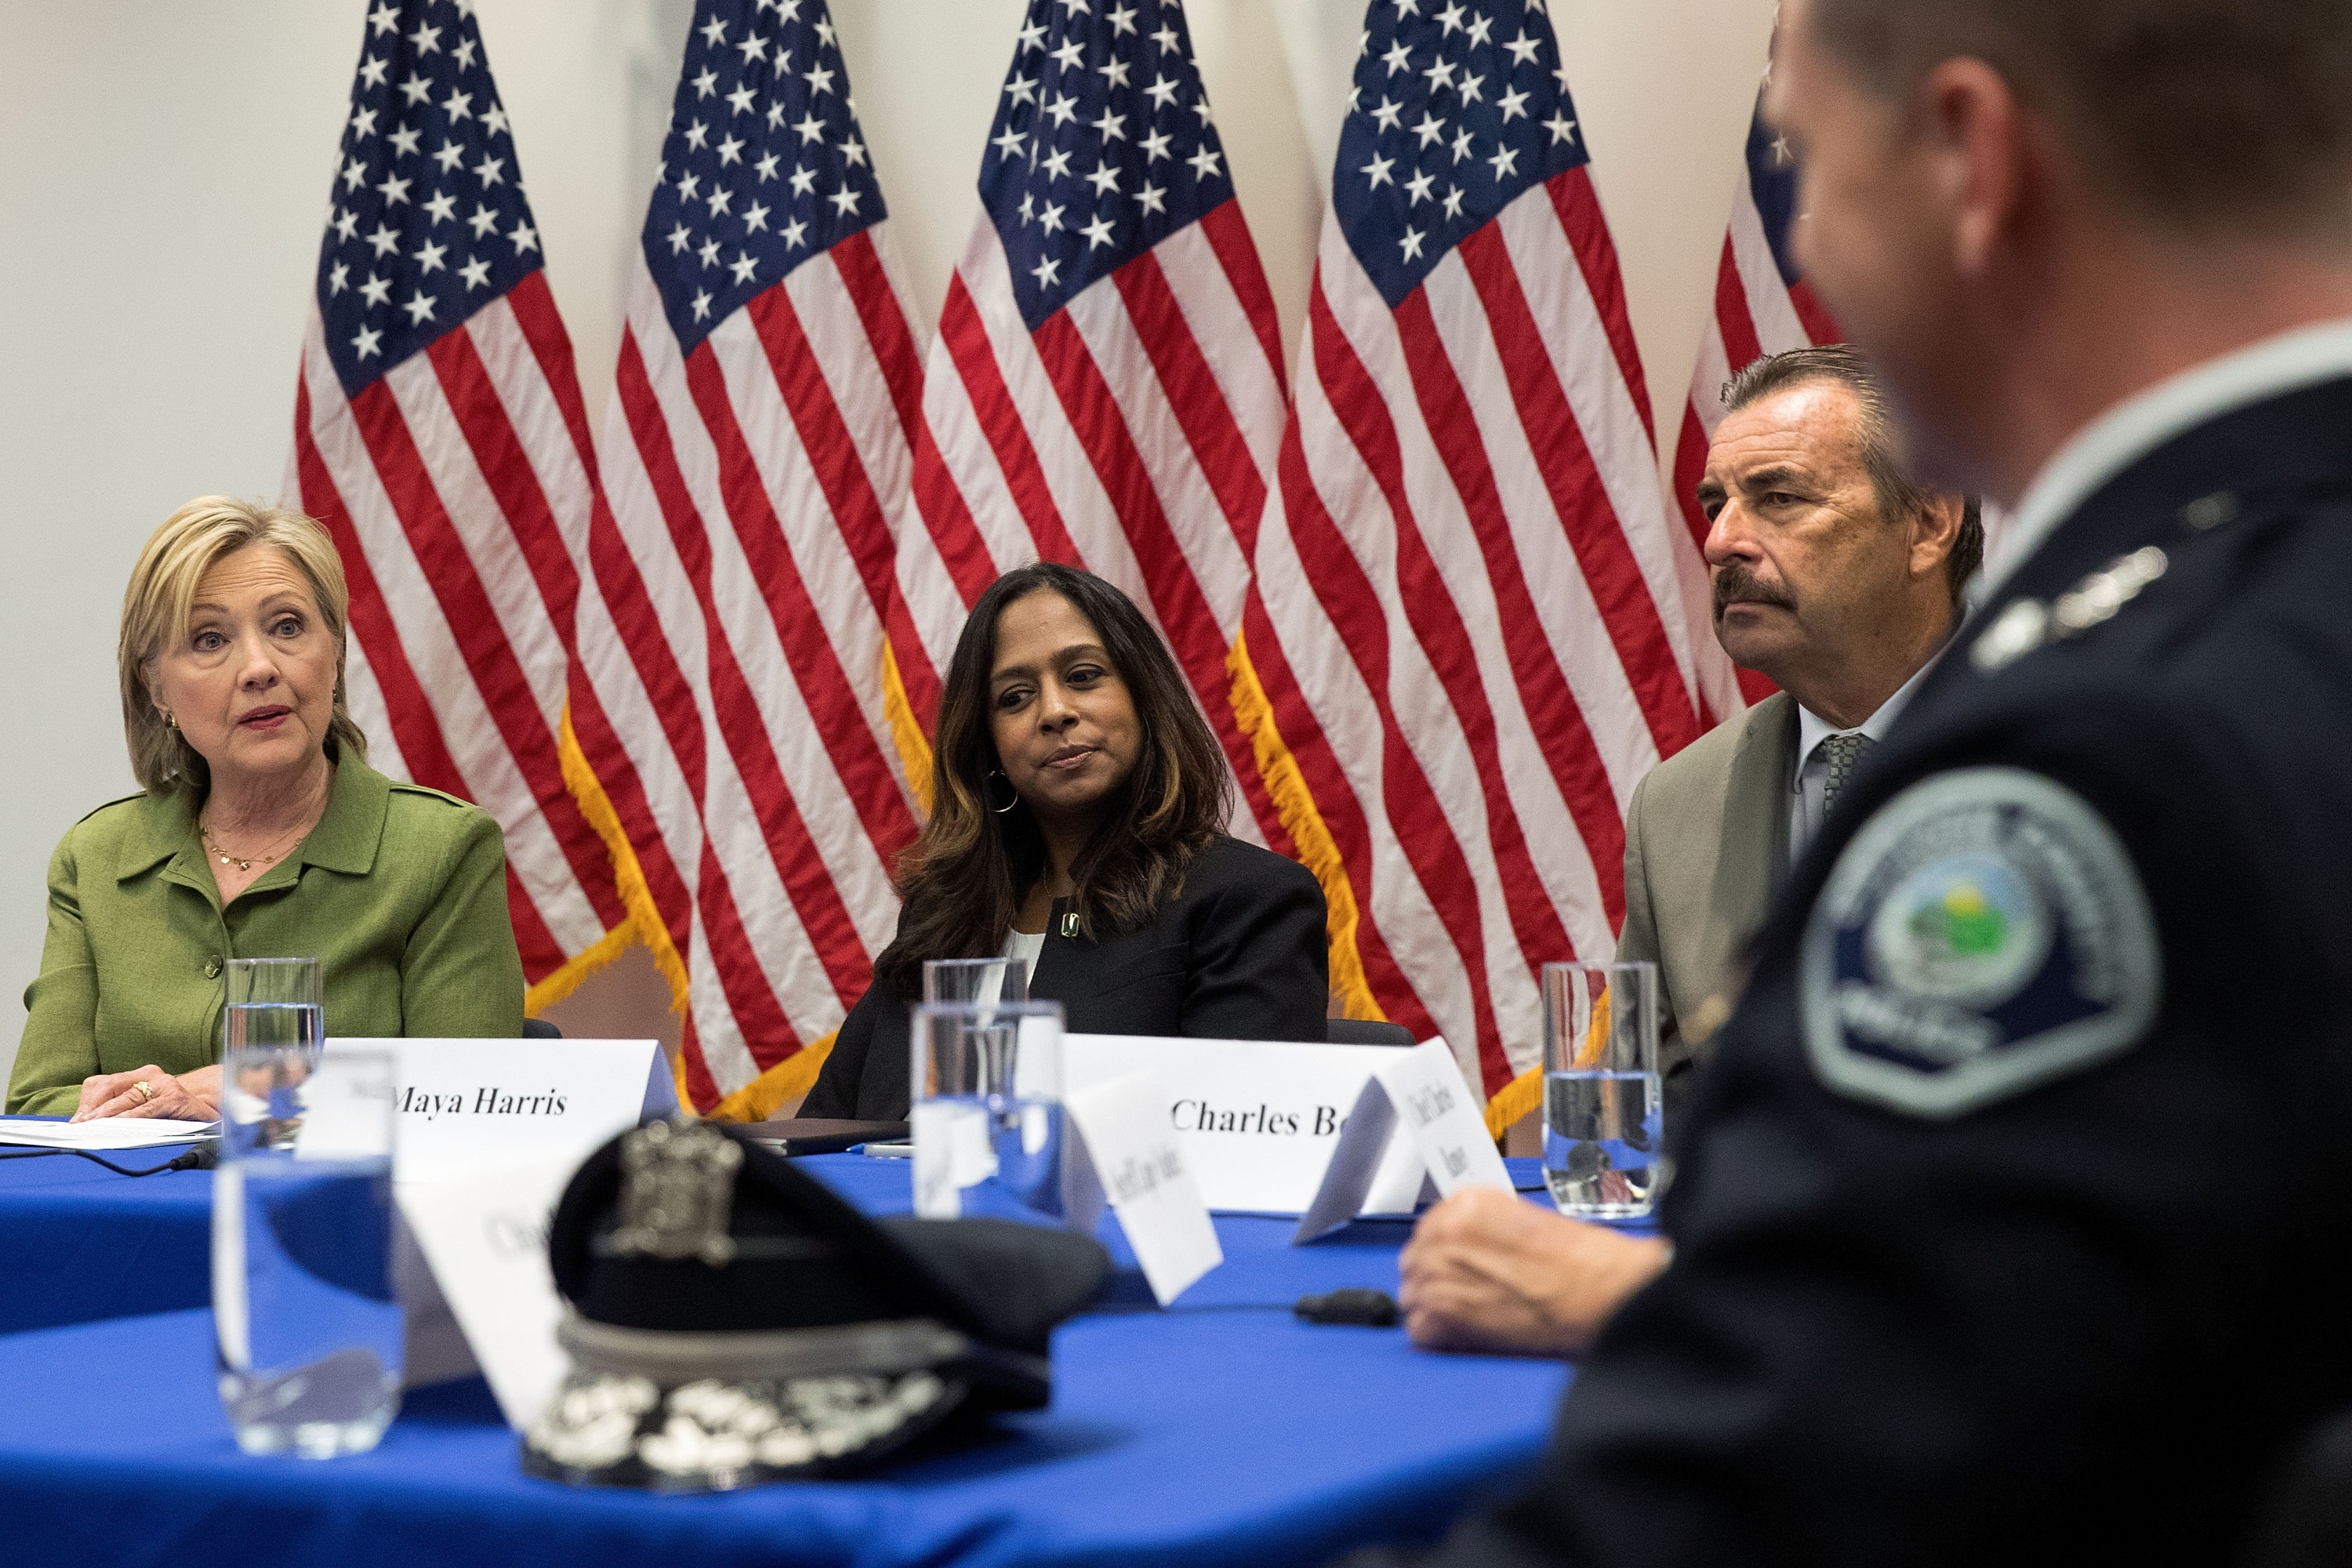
<point x="488" y="1132"/>
<point x="1115" y="1147"/>
<point x="1261" y="1121"/>
<point x="1419" y="1098"/>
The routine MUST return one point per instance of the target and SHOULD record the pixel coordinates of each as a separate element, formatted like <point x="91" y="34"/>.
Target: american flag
<point x="438" y="434"/>
<point x="1761" y="306"/>
<point x="1472" y="603"/>
<point x="1106" y="387"/>
<point x="756" y="455"/>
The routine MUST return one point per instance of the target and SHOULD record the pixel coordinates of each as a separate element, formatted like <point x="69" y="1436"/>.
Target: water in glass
<point x="309" y="1329"/>
<point x="1603" y="1137"/>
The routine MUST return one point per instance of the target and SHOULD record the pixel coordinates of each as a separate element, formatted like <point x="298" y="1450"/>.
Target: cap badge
<point x="677" y="1192"/>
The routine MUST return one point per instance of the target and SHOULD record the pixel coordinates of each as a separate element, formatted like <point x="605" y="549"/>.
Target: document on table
<point x="106" y="1133"/>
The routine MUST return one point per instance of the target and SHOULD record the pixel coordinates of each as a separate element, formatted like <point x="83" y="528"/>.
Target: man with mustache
<point x="1838" y="577"/>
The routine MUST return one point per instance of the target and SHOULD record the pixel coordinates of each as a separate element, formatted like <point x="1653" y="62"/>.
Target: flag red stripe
<point x="1690" y="467"/>
<point x="1193" y="395"/>
<point x="1742" y="347"/>
<point x="1190" y="625"/>
<point x="831" y="453"/>
<point x="1573" y="198"/>
<point x="832" y="933"/>
<point x="827" y="695"/>
<point x="1227" y="232"/>
<point x="701" y="1088"/>
<point x="999" y="418"/>
<point x="618" y="775"/>
<point x="953" y="533"/>
<point x="543" y="329"/>
<point x="1348" y="598"/>
<point x="749" y="996"/>
<point x="505" y="469"/>
<point x="634" y="617"/>
<point x="1820" y="326"/>
<point x="1565" y="743"/>
<point x="1603" y="553"/>
<point x="1342" y="811"/>
<point x="457" y="588"/>
<point x="884" y="321"/>
<point x="415" y="729"/>
<point x="1436" y="620"/>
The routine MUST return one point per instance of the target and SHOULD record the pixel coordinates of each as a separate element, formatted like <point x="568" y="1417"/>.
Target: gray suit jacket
<point x="1706" y="839"/>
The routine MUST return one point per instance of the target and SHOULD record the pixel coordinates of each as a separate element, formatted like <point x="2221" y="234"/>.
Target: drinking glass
<point x="987" y="1111"/>
<point x="1604" y="1133"/>
<point x="975" y="980"/>
<point x="272" y="1002"/>
<point x="309" y="1326"/>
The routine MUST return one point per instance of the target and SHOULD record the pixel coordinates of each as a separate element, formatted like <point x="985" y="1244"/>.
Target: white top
<point x="1805" y="790"/>
<point x="2146" y="420"/>
<point x="1018" y="944"/>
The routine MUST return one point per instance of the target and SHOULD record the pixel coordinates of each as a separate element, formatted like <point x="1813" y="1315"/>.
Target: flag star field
<point x="1102" y="145"/>
<point x="429" y="222"/>
<point x="1454" y="112"/>
<point x="764" y="168"/>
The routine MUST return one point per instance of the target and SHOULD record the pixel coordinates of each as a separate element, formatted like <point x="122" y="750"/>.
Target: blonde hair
<point x="156" y="608"/>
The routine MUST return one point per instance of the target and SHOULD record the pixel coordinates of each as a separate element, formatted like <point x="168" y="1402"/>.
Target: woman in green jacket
<point x="261" y="832"/>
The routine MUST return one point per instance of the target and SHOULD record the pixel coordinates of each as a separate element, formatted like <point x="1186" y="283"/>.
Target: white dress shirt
<point x="1022" y="946"/>
<point x="2146" y="420"/>
<point x="1806" y="790"/>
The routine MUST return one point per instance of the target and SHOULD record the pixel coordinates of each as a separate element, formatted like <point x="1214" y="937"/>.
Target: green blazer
<point x="400" y="891"/>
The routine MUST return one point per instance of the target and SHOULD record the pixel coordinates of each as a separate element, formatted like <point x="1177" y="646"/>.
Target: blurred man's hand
<point x="1485" y="1271"/>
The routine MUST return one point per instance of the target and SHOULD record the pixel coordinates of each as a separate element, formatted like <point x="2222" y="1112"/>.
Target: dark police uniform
<point x="2013" y="1215"/>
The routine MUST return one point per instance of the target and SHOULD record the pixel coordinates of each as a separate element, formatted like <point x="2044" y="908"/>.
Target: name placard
<point x="469" y="1103"/>
<point x="1257" y="1118"/>
<point x="1419" y="1100"/>
<point x="488" y="1134"/>
<point x="485" y="1243"/>
<point x="1138" y="1161"/>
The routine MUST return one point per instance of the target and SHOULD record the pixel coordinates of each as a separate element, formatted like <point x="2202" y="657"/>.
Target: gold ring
<point x="146" y="1090"/>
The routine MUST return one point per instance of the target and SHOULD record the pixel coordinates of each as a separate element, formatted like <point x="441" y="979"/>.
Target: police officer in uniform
<point x="2011" y="1217"/>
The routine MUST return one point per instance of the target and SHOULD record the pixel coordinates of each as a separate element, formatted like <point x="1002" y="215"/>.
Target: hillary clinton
<point x="260" y="831"/>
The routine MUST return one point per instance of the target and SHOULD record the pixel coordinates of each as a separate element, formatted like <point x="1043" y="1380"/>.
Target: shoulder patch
<point x="1983" y="933"/>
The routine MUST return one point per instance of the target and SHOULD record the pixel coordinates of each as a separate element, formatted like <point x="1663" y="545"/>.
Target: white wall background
<point x="163" y="171"/>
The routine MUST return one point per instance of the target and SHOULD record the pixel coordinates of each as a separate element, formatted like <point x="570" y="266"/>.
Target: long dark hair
<point x="965" y="874"/>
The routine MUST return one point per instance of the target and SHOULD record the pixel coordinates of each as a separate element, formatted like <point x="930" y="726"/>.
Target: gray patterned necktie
<point x="1843" y="755"/>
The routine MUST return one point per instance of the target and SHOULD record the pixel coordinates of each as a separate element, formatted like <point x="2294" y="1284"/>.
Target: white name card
<point x="471" y="1103"/>
<point x="484" y="1235"/>
<point x="490" y="1133"/>
<point x="1258" y="1119"/>
<point x="1139" y="1160"/>
<point x="1416" y="1099"/>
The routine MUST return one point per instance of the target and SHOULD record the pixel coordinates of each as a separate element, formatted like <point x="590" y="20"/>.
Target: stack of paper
<point x="107" y="1132"/>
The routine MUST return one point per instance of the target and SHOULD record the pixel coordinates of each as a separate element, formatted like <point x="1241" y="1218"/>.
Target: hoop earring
<point x="1008" y="806"/>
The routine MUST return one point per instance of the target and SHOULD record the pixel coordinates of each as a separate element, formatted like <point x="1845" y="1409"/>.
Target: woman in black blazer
<point x="1079" y="800"/>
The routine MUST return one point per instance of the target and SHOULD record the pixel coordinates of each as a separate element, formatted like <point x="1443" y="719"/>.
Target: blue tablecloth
<point x="1224" y="1430"/>
<point x="79" y="1241"/>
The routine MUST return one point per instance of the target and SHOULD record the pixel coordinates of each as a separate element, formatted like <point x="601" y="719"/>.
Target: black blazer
<point x="1238" y="953"/>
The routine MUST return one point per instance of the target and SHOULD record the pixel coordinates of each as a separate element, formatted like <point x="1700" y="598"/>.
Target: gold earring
<point x="170" y="721"/>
